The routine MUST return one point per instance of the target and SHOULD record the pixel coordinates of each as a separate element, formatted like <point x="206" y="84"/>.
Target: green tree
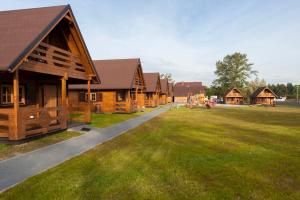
<point x="291" y="90"/>
<point x="233" y="71"/>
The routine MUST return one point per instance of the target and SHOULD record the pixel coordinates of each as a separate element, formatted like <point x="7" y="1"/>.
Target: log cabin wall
<point x="163" y="99"/>
<point x="265" y="97"/>
<point x="182" y="100"/>
<point x="151" y="99"/>
<point x="234" y="97"/>
<point x="106" y="101"/>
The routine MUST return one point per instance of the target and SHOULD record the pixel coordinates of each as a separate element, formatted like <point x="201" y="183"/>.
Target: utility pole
<point x="298" y="94"/>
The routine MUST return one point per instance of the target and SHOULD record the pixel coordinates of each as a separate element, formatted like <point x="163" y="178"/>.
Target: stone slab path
<point x="17" y="169"/>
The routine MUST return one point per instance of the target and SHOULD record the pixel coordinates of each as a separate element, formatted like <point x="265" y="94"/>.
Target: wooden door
<point x="51" y="101"/>
<point x="108" y="102"/>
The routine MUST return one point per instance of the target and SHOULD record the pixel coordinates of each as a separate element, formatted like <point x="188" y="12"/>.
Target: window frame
<point x="93" y="96"/>
<point x="21" y="95"/>
<point x="123" y="92"/>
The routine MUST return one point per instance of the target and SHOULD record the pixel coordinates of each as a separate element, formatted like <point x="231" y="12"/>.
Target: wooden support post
<point x="64" y="101"/>
<point x="16" y="131"/>
<point x="88" y="109"/>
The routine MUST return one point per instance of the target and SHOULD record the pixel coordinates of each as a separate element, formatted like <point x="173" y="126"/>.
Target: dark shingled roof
<point x="20" y="30"/>
<point x="184" y="89"/>
<point x="164" y="86"/>
<point x="171" y="89"/>
<point x="151" y="81"/>
<point x="259" y="90"/>
<point x="114" y="74"/>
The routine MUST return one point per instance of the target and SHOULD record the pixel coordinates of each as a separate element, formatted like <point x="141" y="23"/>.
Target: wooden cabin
<point x="41" y="52"/>
<point x="171" y="93"/>
<point x="184" y="91"/>
<point x="163" y="97"/>
<point x="122" y="88"/>
<point x="263" y="95"/>
<point x="153" y="89"/>
<point x="233" y="96"/>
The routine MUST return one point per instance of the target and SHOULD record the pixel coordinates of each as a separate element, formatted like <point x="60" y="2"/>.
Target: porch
<point x="34" y="104"/>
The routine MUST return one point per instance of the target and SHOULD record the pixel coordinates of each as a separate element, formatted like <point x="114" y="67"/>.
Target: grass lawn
<point x="222" y="153"/>
<point x="9" y="150"/>
<point x="103" y="120"/>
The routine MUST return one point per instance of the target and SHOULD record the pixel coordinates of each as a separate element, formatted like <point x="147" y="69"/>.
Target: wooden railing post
<point x="63" y="110"/>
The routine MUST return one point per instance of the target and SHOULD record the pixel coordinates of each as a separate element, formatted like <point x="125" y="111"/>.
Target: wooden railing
<point x="36" y="120"/>
<point x="126" y="106"/>
<point x="56" y="61"/>
<point x="5" y="121"/>
<point x="80" y="112"/>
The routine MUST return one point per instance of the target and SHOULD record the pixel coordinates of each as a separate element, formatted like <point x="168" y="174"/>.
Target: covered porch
<point x="33" y="104"/>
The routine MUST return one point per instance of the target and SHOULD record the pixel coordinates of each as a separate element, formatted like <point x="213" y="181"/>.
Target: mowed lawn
<point x="104" y="120"/>
<point x="222" y="153"/>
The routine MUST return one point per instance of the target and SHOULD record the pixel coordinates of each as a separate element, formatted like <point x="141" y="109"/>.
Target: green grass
<point x="222" y="153"/>
<point x="103" y="120"/>
<point x="10" y="150"/>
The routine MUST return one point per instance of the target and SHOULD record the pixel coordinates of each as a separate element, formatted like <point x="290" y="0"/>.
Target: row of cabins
<point x="189" y="93"/>
<point x="47" y="75"/>
<point x="262" y="95"/>
<point x="124" y="88"/>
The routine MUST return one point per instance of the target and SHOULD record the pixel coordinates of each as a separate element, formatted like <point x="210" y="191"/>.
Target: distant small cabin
<point x="234" y="96"/>
<point x="263" y="95"/>
<point x="153" y="89"/>
<point x="171" y="93"/>
<point x="184" y="91"/>
<point x="163" y="98"/>
<point x="121" y="90"/>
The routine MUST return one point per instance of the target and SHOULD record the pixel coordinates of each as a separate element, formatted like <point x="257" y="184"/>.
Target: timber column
<point x="16" y="130"/>
<point x="63" y="111"/>
<point x="88" y="107"/>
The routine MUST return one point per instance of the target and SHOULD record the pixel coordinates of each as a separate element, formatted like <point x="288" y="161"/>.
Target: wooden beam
<point x="16" y="131"/>
<point x="64" y="101"/>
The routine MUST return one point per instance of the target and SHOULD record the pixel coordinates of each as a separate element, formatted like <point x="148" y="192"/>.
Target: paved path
<point x="17" y="169"/>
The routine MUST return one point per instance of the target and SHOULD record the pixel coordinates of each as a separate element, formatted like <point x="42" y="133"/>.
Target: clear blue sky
<point x="186" y="38"/>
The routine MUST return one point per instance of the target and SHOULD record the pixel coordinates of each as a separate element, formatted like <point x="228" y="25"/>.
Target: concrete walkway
<point x="17" y="169"/>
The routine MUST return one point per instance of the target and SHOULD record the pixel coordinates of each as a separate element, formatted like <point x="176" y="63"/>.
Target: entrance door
<point x="50" y="101"/>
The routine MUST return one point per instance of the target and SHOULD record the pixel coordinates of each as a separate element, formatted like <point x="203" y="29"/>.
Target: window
<point x="121" y="96"/>
<point x="7" y="96"/>
<point x="92" y="98"/>
<point x="149" y="96"/>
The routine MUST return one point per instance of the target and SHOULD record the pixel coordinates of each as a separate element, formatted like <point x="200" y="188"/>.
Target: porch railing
<point x="5" y="121"/>
<point x="126" y="106"/>
<point x="36" y="120"/>
<point x="80" y="112"/>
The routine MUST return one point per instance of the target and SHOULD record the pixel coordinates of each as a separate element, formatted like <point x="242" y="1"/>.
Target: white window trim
<point x="12" y="94"/>
<point x="93" y="96"/>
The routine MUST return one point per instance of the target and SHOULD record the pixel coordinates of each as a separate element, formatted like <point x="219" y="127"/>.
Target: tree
<point x="167" y="76"/>
<point x="256" y="83"/>
<point x="233" y="71"/>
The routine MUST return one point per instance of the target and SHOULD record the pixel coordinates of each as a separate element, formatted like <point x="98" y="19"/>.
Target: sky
<point x="186" y="38"/>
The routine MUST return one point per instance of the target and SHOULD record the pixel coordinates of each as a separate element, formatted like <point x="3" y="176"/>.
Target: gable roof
<point x="151" y="81"/>
<point x="184" y="89"/>
<point x="22" y="30"/>
<point x="114" y="74"/>
<point x="171" y="89"/>
<point x="164" y="86"/>
<point x="233" y="88"/>
<point x="259" y="90"/>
